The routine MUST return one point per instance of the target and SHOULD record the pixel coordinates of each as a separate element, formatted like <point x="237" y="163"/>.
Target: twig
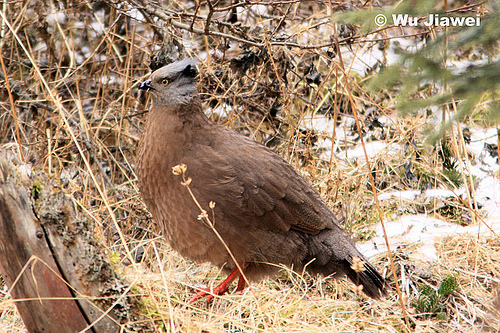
<point x="12" y="106"/>
<point x="83" y="138"/>
<point x="209" y="17"/>
<point x="56" y="100"/>
<point x="168" y="17"/>
<point x="486" y="277"/>
<point x="180" y="170"/>
<point x="372" y="181"/>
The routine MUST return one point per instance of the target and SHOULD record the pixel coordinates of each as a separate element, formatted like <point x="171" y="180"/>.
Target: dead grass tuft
<point x="72" y="70"/>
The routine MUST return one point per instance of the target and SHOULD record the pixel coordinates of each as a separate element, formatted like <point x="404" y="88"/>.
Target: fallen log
<point x="58" y="275"/>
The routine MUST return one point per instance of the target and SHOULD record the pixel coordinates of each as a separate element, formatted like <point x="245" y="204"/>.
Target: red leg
<point x="219" y="290"/>
<point x="241" y="283"/>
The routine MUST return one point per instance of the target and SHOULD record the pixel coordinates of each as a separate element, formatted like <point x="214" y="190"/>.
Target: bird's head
<point x="174" y="84"/>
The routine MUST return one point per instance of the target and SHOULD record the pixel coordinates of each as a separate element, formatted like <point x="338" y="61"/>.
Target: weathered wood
<point x="58" y="275"/>
<point x="22" y="247"/>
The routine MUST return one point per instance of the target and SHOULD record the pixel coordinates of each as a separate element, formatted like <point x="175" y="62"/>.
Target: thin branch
<point x="374" y="188"/>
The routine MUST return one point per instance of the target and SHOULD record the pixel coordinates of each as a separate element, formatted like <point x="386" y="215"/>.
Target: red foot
<point x="221" y="289"/>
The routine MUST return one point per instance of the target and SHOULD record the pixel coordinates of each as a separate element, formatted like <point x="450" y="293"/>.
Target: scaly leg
<point x="220" y="289"/>
<point x="241" y="283"/>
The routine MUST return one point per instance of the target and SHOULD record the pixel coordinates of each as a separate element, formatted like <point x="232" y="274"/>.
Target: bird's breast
<point x="163" y="145"/>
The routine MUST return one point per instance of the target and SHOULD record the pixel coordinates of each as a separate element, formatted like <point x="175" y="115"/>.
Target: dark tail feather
<point x="371" y="280"/>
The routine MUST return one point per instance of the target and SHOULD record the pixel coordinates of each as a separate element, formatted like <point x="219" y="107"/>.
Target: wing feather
<point x="268" y="192"/>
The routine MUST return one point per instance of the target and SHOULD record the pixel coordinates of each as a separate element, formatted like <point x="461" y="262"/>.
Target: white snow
<point x="425" y="230"/>
<point x="420" y="230"/>
<point x="59" y="17"/>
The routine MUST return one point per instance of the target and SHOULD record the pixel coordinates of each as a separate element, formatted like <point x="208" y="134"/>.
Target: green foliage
<point x="448" y="285"/>
<point x="432" y="303"/>
<point x="114" y="258"/>
<point x="451" y="173"/>
<point x="452" y="177"/>
<point x="429" y="302"/>
<point x="478" y="82"/>
<point x="36" y="189"/>
<point x="460" y="89"/>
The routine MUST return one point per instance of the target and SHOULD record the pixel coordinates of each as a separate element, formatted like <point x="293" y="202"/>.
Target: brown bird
<point x="266" y="212"/>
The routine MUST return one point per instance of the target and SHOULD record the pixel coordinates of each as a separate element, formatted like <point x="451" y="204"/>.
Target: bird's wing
<point x="253" y="185"/>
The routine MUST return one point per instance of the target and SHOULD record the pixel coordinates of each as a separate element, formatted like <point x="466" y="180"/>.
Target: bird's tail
<point x="333" y="252"/>
<point x="361" y="272"/>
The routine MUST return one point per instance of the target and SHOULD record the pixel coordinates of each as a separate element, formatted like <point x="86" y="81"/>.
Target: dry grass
<point x="73" y="72"/>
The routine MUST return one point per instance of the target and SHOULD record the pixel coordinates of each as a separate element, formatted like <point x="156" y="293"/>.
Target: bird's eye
<point x="164" y="82"/>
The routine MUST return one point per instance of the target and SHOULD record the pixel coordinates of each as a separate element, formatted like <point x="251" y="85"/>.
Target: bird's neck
<point x="192" y="114"/>
<point x="174" y="123"/>
<point x="188" y="111"/>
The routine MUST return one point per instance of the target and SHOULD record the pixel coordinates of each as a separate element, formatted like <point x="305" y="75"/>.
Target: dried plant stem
<point x="204" y="216"/>
<point x="374" y="189"/>
<point x="104" y="52"/>
<point x="170" y="309"/>
<point x="206" y="219"/>
<point x="62" y="110"/>
<point x="12" y="105"/>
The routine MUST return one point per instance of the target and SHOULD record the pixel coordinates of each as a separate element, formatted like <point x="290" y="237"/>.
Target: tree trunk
<point x="58" y="276"/>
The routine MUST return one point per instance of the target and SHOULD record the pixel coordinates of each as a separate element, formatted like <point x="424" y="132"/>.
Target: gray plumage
<point x="265" y="211"/>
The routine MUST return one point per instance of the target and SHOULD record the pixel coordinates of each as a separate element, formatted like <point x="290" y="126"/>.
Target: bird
<point x="262" y="213"/>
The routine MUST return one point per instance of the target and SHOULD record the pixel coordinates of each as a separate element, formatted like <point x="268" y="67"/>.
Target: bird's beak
<point x="146" y="85"/>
